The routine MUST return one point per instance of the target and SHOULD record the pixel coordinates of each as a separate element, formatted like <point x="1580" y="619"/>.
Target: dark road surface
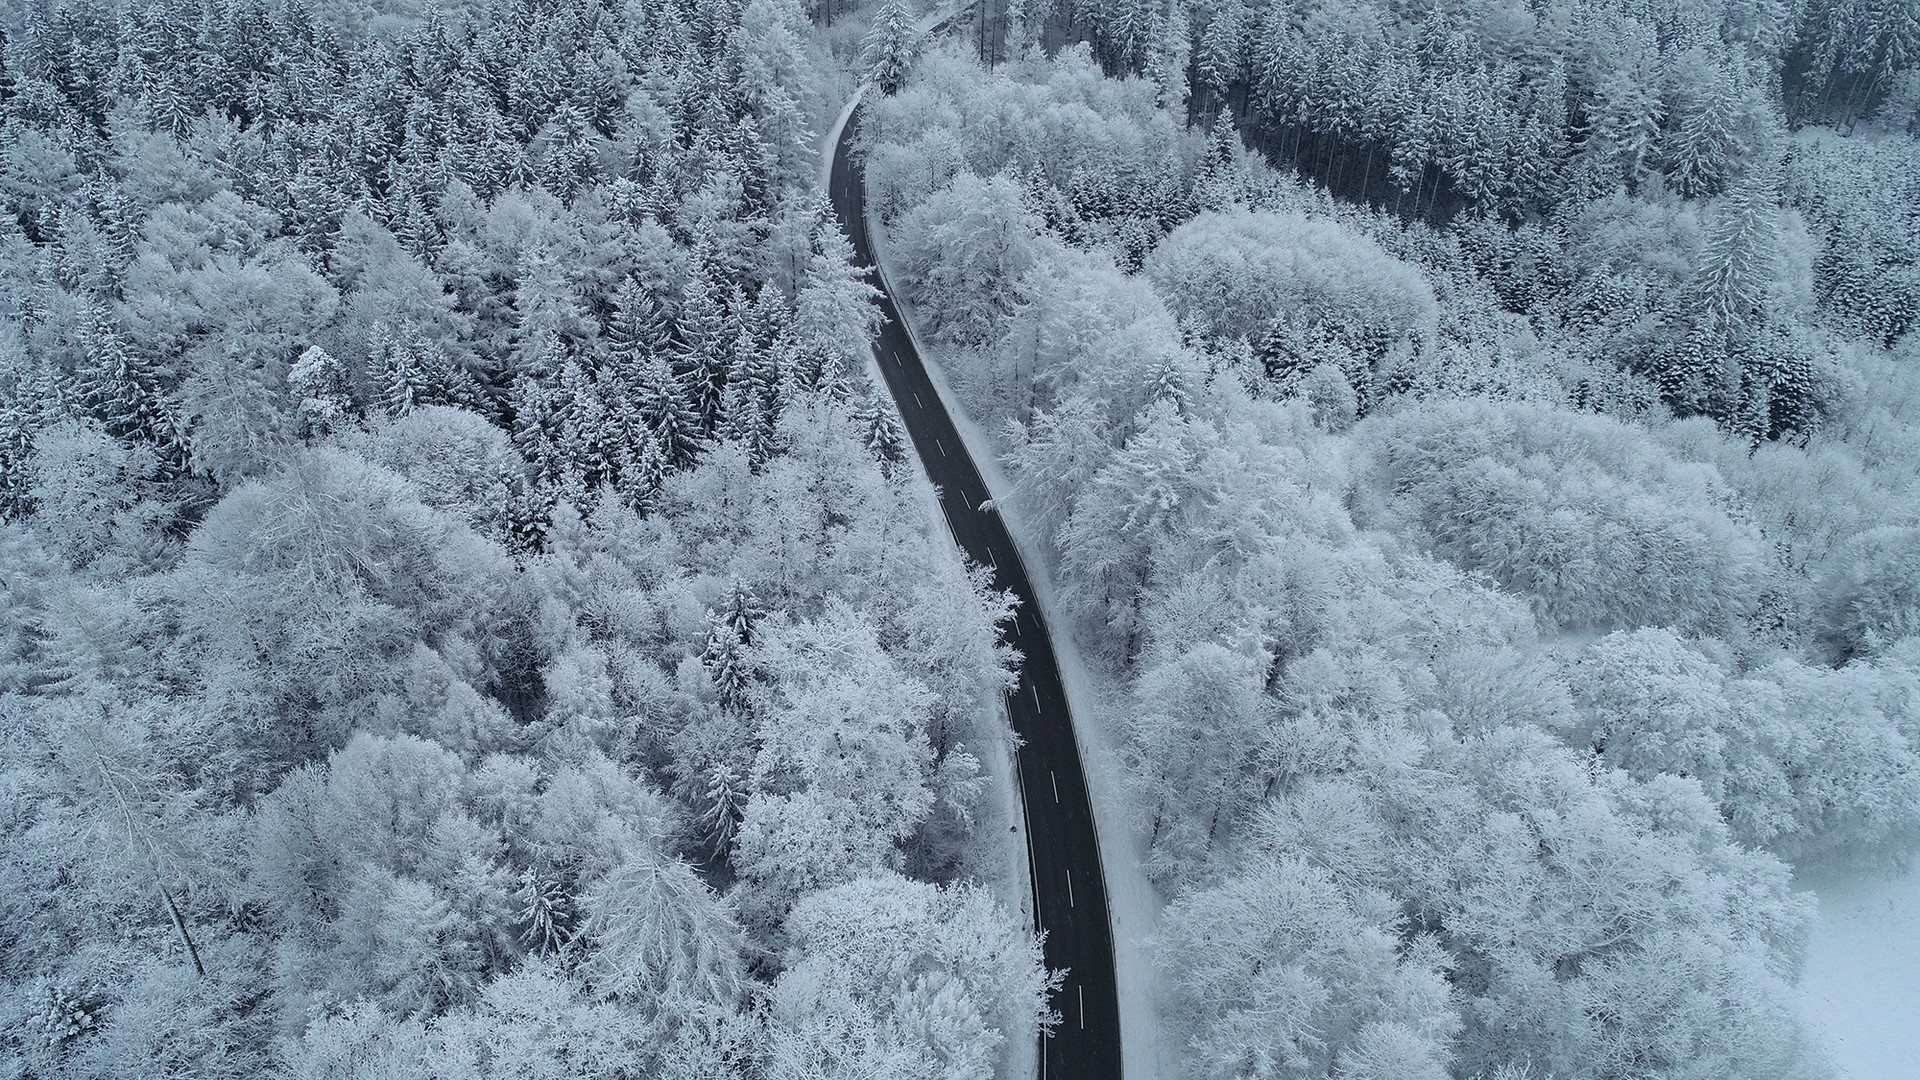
<point x="1070" y="892"/>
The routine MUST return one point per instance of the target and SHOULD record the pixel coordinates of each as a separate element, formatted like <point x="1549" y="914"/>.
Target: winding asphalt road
<point x="1069" y="888"/>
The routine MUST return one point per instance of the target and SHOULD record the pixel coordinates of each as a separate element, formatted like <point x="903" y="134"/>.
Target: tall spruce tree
<point x="888" y="50"/>
<point x="126" y="391"/>
<point x="667" y="406"/>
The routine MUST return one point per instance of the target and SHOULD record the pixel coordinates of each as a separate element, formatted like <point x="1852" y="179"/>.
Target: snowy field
<point x="1862" y="985"/>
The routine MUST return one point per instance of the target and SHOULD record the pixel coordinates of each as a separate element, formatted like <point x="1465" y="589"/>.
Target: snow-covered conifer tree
<point x="890" y="46"/>
<point x="318" y="384"/>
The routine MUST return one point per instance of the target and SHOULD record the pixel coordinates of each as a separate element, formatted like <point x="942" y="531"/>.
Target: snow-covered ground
<point x="1861" y="989"/>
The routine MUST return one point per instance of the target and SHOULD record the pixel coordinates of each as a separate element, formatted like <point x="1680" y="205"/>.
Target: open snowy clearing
<point x="1861" y="990"/>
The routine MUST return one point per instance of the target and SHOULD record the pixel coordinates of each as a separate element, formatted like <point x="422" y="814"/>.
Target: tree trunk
<point x="180" y="924"/>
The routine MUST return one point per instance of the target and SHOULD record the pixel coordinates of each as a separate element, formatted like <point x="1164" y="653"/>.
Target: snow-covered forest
<point x="1477" y="443"/>
<point x="465" y="610"/>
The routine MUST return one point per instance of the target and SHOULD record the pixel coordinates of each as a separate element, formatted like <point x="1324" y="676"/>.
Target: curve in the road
<point x="1069" y="887"/>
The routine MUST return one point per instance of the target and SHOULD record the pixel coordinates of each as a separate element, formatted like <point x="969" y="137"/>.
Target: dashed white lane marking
<point x="916" y="400"/>
<point x="1069" y="888"/>
<point x="1051" y="779"/>
<point x="1080" y="992"/>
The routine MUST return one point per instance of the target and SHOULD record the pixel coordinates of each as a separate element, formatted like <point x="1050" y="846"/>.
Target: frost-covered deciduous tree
<point x="966" y="248"/>
<point x="456" y="461"/>
<point x="843" y="772"/>
<point x="1231" y="275"/>
<point x="1851" y="760"/>
<point x="1088" y="329"/>
<point x="1596" y="526"/>
<point x="1869" y="595"/>
<point x="301" y="594"/>
<point x="1196" y="731"/>
<point x="1275" y="975"/>
<point x="659" y="934"/>
<point x="904" y="977"/>
<point x="393" y="891"/>
<point x="1145" y="505"/>
<point x="94" y="494"/>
